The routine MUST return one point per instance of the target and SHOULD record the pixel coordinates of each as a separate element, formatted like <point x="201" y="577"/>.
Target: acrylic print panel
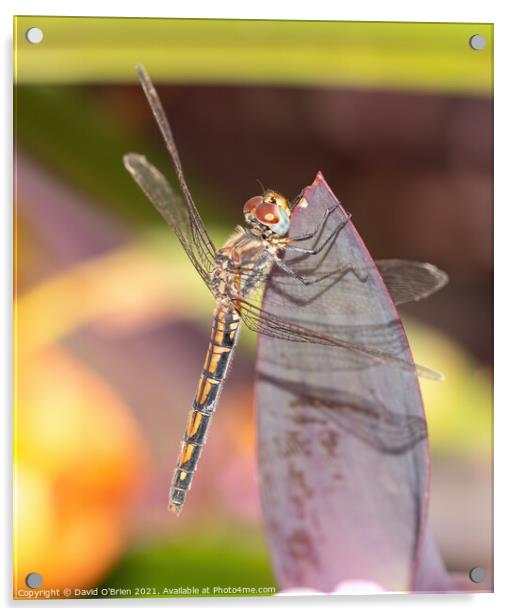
<point x="325" y="470"/>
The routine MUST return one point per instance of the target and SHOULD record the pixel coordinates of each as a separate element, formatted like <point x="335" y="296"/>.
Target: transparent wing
<point x="409" y="281"/>
<point x="198" y="230"/>
<point x="269" y="324"/>
<point x="406" y="281"/>
<point x="172" y="209"/>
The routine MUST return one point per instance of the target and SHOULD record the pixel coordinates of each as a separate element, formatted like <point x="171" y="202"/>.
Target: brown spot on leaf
<point x="329" y="441"/>
<point x="302" y="550"/>
<point x="298" y="481"/>
<point x="306" y="419"/>
<point x="296" y="444"/>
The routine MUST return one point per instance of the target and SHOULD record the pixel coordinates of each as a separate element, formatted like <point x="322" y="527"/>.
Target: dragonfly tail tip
<point x="175" y="508"/>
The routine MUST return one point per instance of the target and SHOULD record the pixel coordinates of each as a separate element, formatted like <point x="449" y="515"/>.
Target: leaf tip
<point x="319" y="178"/>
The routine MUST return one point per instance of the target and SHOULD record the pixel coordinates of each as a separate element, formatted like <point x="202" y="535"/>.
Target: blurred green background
<point x="112" y="321"/>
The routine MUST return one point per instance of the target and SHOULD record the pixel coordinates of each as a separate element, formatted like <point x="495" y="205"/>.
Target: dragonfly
<point x="236" y="275"/>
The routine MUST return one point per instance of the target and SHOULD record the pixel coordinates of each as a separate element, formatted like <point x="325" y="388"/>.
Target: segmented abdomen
<point x="221" y="345"/>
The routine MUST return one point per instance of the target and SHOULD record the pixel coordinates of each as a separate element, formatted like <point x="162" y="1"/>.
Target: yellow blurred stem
<point x="413" y="56"/>
<point x="119" y="291"/>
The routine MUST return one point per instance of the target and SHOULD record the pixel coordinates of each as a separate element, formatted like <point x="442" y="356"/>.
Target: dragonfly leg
<point x="294" y="202"/>
<point x="342" y="271"/>
<point x="319" y="225"/>
<point x="315" y="251"/>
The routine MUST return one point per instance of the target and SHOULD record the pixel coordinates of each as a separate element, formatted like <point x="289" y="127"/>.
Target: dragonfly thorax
<point x="269" y="212"/>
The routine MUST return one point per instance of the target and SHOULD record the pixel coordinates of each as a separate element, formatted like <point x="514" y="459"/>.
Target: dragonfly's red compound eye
<point x="251" y="205"/>
<point x="268" y="213"/>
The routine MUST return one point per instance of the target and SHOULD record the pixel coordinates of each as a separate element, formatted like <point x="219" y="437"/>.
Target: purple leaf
<point x="343" y="453"/>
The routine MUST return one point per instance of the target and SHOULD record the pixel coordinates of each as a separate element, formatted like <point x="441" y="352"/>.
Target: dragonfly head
<point x="268" y="211"/>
